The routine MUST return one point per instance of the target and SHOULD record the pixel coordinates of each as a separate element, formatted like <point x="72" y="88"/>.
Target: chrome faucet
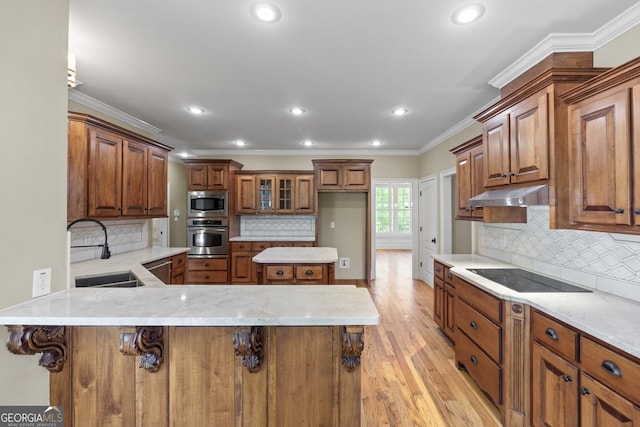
<point x="106" y="254"/>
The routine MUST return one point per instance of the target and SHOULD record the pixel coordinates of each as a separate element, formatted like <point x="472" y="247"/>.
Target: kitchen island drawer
<point x="204" y="277"/>
<point x="613" y="369"/>
<point x="309" y="272"/>
<point x="485" y="303"/>
<point x="484" y="371"/>
<point x="480" y="329"/>
<point x="279" y="272"/>
<point x="555" y="335"/>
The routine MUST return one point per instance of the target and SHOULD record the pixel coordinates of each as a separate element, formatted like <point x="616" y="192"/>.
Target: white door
<point x="428" y="227"/>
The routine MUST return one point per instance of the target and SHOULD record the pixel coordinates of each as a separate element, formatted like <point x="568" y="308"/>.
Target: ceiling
<point x="346" y="63"/>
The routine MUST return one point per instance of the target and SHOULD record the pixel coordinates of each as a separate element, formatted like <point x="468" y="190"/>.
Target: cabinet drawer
<point x="480" y="329"/>
<point x="438" y="270"/>
<point x="613" y="369"/>
<point x="260" y="246"/>
<point x="206" y="277"/>
<point x="555" y="336"/>
<point x="179" y="260"/>
<point x="303" y="244"/>
<point x="210" y="264"/>
<point x="308" y="272"/>
<point x="279" y="272"/>
<point x="487" y="304"/>
<point x="486" y="373"/>
<point x="448" y="277"/>
<point x="240" y="246"/>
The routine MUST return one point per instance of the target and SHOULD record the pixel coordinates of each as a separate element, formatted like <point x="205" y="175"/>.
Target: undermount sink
<point x="113" y="280"/>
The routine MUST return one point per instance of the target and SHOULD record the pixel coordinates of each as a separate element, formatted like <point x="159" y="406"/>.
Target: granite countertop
<point x="605" y="316"/>
<point x="272" y="239"/>
<point x="313" y="255"/>
<point x="128" y="261"/>
<point x="193" y="305"/>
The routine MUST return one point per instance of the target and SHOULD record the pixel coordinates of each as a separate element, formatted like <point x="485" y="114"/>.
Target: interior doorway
<point x="428" y="228"/>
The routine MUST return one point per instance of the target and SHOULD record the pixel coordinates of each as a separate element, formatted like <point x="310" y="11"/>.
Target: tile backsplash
<point x="603" y="261"/>
<point x="278" y="225"/>
<point x="124" y="236"/>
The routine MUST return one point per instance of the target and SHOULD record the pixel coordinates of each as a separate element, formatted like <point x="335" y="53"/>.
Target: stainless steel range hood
<point x="522" y="196"/>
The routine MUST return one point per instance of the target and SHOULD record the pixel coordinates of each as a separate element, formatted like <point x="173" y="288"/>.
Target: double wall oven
<point x="207" y="224"/>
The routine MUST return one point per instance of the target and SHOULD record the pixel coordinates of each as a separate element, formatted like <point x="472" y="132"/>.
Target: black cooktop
<point x="525" y="281"/>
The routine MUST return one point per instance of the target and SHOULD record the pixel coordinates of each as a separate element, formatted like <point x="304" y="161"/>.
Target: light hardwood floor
<point x="409" y="377"/>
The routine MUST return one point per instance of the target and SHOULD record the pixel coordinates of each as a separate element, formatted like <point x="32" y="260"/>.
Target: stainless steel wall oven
<point x="207" y="237"/>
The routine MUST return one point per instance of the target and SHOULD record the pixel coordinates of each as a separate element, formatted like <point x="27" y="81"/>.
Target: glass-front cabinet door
<point x="284" y="202"/>
<point x="265" y="194"/>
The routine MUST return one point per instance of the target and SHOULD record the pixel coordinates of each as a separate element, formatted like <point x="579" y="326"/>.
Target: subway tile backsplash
<point x="124" y="236"/>
<point x="280" y="225"/>
<point x="603" y="261"/>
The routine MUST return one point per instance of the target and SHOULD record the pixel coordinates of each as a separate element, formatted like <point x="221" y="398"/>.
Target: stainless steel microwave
<point x="202" y="204"/>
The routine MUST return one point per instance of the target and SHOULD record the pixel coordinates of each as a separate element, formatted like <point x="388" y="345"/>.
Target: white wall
<point x="33" y="170"/>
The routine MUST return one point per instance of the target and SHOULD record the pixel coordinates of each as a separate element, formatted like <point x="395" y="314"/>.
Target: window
<point x="393" y="207"/>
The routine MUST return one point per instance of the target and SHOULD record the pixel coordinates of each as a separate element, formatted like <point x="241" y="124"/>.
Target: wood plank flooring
<point x="409" y="377"/>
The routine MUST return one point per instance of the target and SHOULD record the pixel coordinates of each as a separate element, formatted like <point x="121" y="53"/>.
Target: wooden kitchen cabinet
<point x="343" y="175"/>
<point x="207" y="271"/>
<point x="243" y="269"/>
<point x="170" y="270"/>
<point x="278" y="193"/>
<point x="602" y="407"/>
<point x="179" y="269"/>
<point x="296" y="274"/>
<point x="469" y="177"/>
<point x="444" y="300"/>
<point x="113" y="173"/>
<point x="604" y="140"/>
<point x="210" y="175"/>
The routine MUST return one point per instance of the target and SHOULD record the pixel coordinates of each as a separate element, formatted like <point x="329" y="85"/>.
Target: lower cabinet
<point x="200" y="377"/>
<point x="170" y="270"/>
<point x="296" y="274"/>
<point x="243" y="269"/>
<point x="179" y="269"/>
<point x="590" y="385"/>
<point x="207" y="271"/>
<point x="444" y="300"/>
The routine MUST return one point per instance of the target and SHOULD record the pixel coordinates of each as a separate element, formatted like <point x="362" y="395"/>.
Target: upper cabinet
<point x="114" y="173"/>
<point x="604" y="146"/>
<point x="279" y="193"/>
<point x="208" y="175"/>
<point x="469" y="177"/>
<point x="525" y="133"/>
<point x="343" y="175"/>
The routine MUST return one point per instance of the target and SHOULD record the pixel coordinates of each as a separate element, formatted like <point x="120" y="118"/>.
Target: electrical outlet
<point x="344" y="262"/>
<point x="41" y="282"/>
<point x="332" y="224"/>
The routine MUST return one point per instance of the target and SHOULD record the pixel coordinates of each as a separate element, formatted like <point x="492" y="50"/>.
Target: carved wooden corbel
<point x="248" y="343"/>
<point x="352" y="346"/>
<point x="50" y="340"/>
<point x="147" y="342"/>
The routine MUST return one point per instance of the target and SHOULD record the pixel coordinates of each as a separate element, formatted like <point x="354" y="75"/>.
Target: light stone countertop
<point x="312" y="255"/>
<point x="272" y="239"/>
<point x="605" y="316"/>
<point x="128" y="261"/>
<point x="196" y="305"/>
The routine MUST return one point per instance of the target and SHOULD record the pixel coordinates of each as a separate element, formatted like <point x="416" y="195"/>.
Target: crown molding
<point x="571" y="42"/>
<point x="302" y="152"/>
<point x="107" y="109"/>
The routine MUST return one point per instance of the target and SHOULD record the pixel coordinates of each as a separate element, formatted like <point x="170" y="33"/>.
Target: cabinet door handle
<point x="309" y="272"/>
<point x="636" y="211"/>
<point x="473" y="324"/>
<point x="618" y="210"/>
<point x="585" y="391"/>
<point x="449" y="276"/>
<point x="567" y="378"/>
<point x="280" y="272"/>
<point x="474" y="360"/>
<point x="551" y="333"/>
<point x="437" y="269"/>
<point x="503" y="175"/>
<point x="512" y="174"/>
<point x="611" y="367"/>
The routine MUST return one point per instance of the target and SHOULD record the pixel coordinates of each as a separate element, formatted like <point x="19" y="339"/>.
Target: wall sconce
<point x="71" y="71"/>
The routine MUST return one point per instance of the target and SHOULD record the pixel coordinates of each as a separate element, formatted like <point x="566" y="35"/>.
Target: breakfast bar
<point x="230" y="355"/>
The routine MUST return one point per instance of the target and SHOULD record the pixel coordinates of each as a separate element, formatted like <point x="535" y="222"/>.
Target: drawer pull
<point x="206" y="264"/>
<point x="280" y="272"/>
<point x="551" y="333"/>
<point x="437" y="269"/>
<point x="474" y="360"/>
<point x="473" y="324"/>
<point x="618" y="210"/>
<point x="567" y="378"/>
<point x="585" y="391"/>
<point x="611" y="367"/>
<point x="309" y="272"/>
<point x="449" y="276"/>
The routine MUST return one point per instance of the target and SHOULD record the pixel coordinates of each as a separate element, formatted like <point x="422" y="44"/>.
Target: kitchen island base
<point x="201" y="376"/>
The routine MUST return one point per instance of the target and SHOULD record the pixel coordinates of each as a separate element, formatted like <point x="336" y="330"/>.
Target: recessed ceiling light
<point x="240" y="143"/>
<point x="308" y="143"/>
<point x="195" y="110"/>
<point x="468" y="14"/>
<point x="296" y="111"/>
<point x="265" y="12"/>
<point x="376" y="143"/>
<point x="399" y="111"/>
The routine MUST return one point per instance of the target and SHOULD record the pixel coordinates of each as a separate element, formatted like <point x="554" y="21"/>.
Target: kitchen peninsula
<point x="228" y="355"/>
